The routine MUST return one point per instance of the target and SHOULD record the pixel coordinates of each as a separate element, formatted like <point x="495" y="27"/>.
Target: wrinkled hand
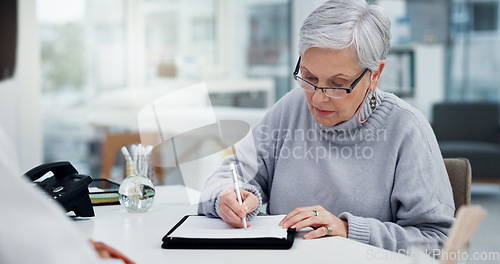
<point x="106" y="251"/>
<point x="231" y="211"/>
<point x="305" y="217"/>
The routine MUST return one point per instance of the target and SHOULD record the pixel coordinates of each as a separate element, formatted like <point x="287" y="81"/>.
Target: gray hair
<point x="339" y="24"/>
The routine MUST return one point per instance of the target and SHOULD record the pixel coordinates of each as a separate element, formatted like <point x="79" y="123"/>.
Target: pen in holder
<point x="137" y="190"/>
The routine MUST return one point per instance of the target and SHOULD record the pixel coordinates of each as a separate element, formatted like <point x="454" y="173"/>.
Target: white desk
<point x="139" y="237"/>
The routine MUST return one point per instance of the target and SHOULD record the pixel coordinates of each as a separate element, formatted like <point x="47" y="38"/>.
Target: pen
<point x="126" y="154"/>
<point x="130" y="168"/>
<point x="237" y="189"/>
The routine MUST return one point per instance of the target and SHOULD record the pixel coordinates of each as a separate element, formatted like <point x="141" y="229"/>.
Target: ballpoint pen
<point x="237" y="189"/>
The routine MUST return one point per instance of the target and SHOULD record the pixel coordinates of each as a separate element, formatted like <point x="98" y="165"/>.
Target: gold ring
<point x="329" y="230"/>
<point x="315" y="213"/>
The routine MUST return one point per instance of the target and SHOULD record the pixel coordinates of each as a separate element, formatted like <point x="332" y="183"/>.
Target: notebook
<point x="104" y="192"/>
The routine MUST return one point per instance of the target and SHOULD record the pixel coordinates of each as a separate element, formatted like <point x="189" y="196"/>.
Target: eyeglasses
<point x="332" y="92"/>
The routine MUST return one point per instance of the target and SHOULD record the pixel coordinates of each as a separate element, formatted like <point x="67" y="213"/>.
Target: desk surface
<point x="139" y="237"/>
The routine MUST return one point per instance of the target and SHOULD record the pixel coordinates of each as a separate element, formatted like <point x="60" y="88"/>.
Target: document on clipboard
<point x="202" y="232"/>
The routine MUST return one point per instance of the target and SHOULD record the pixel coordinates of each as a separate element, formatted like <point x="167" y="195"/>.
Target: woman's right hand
<point x="106" y="251"/>
<point x="231" y="211"/>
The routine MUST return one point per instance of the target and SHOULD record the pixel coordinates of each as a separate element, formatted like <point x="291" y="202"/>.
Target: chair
<point x="472" y="131"/>
<point x="459" y="171"/>
<point x="111" y="147"/>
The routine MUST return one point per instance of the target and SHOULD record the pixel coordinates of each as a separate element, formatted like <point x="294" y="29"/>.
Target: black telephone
<point x="67" y="187"/>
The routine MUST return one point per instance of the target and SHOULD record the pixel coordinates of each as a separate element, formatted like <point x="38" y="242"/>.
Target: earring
<point x="373" y="102"/>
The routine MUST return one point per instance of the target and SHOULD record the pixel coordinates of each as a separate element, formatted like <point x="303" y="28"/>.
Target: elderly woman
<point x="337" y="154"/>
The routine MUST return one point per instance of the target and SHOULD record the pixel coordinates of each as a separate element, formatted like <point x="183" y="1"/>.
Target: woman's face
<point x="327" y="67"/>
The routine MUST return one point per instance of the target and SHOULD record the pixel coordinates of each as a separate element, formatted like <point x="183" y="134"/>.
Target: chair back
<point x="459" y="171"/>
<point x="466" y="121"/>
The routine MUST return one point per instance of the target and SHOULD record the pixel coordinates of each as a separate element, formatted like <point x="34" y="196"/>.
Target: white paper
<point x="206" y="227"/>
<point x="95" y="190"/>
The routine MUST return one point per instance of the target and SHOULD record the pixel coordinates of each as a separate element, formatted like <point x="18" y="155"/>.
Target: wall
<point x="20" y="96"/>
<point x="429" y="78"/>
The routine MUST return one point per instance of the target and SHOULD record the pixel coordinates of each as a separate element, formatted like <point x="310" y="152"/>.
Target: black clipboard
<point x="225" y="243"/>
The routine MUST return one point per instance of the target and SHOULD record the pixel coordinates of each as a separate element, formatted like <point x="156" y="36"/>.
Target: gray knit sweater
<point x="386" y="177"/>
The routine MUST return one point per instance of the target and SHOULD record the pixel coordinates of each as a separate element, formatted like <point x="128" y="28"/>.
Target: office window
<point x="269" y="34"/>
<point x="474" y="61"/>
<point x="82" y="46"/>
<point x="61" y="44"/>
<point x="180" y="38"/>
<point x="91" y="48"/>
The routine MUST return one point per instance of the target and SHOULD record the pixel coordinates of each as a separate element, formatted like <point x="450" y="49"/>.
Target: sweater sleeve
<point x="254" y="160"/>
<point x="421" y="201"/>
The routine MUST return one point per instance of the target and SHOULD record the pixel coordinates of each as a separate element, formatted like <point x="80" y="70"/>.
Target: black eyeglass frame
<point x="348" y="90"/>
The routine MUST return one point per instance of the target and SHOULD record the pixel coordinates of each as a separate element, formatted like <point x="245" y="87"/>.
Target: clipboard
<point x="173" y="242"/>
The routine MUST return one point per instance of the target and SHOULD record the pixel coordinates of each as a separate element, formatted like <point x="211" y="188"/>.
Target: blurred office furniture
<point x="117" y="112"/>
<point x="8" y="35"/>
<point x="112" y="144"/>
<point x="470" y="130"/>
<point x="110" y="148"/>
<point x="399" y="73"/>
<point x="409" y="75"/>
<point x="459" y="171"/>
<point x="244" y="93"/>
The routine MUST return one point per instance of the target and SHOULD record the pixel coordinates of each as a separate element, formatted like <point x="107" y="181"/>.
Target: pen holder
<point x="137" y="190"/>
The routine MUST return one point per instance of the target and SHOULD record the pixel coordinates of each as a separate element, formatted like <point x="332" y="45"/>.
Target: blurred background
<point x="85" y="68"/>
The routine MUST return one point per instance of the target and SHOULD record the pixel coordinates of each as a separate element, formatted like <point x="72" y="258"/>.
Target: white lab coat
<point x="34" y="228"/>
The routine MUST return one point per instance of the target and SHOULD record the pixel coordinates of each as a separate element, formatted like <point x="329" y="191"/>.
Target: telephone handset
<point x="67" y="187"/>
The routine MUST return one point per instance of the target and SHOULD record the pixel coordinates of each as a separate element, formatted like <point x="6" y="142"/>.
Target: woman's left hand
<point x="323" y="222"/>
